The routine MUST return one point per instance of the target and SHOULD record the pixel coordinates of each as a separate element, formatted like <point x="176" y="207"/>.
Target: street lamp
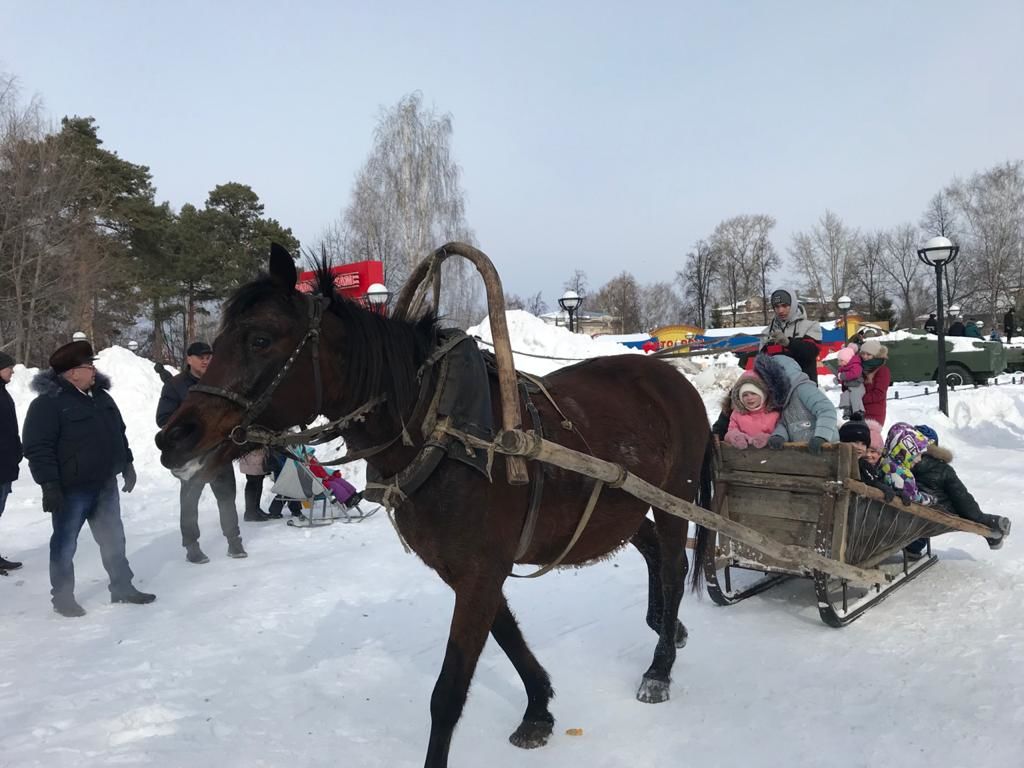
<point x="570" y="302"/>
<point x="844" y="303"/>
<point x="133" y="346"/>
<point x="79" y="336"/>
<point x="377" y="297"/>
<point x="938" y="252"/>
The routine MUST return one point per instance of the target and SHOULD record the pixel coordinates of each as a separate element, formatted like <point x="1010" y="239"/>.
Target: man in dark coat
<point x="1009" y="325"/>
<point x="75" y="443"/>
<point x="197" y="360"/>
<point x="10" y="445"/>
<point x="956" y="328"/>
<point x="931" y="325"/>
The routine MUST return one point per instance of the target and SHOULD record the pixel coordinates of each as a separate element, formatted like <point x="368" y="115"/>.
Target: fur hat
<point x="71" y="355"/>
<point x="855" y="432"/>
<point x="6" y="361"/>
<point x="748" y="382"/>
<point x="877" y="444"/>
<point x="875" y="348"/>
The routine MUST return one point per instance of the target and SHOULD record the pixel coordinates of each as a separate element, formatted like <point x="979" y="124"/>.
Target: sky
<point x="598" y="136"/>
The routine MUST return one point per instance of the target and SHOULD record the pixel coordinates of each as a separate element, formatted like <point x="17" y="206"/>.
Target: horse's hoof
<point x="531" y="734"/>
<point x="681" y="635"/>
<point x="652" y="691"/>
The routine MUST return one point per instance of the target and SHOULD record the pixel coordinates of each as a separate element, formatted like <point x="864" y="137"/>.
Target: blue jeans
<point x="5" y="491"/>
<point x="101" y="507"/>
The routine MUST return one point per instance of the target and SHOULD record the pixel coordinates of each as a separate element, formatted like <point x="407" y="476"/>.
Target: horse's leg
<point x="537" y="723"/>
<point x="671" y="534"/>
<point x="476" y="604"/>
<point x="646" y="542"/>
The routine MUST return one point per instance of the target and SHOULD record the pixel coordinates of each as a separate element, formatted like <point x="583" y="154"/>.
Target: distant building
<point x="589" y="321"/>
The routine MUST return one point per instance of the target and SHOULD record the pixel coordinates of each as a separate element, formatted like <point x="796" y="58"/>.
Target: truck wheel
<point x="957" y="375"/>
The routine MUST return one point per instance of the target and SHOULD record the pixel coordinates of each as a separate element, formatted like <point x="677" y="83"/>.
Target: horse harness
<point x="391" y="491"/>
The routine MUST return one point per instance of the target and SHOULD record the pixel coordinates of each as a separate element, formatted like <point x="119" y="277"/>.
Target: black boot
<point x="66" y="605"/>
<point x="274" y="512"/>
<point x="132" y="595"/>
<point x="195" y="555"/>
<point x="9" y="565"/>
<point x="253" y="492"/>
<point x="235" y="549"/>
<point x="1001" y="524"/>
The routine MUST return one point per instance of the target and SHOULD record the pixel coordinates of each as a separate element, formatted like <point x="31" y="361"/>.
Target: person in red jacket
<point x="877" y="379"/>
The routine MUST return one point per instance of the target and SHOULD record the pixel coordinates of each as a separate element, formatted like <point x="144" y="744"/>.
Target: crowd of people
<point x="975" y="329"/>
<point x="778" y="401"/>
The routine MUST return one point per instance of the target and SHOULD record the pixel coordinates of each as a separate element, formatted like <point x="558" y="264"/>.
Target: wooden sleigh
<point x="818" y="503"/>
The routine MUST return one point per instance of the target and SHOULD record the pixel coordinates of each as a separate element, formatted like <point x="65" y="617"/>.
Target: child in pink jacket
<point x="753" y="419"/>
<point x="851" y="375"/>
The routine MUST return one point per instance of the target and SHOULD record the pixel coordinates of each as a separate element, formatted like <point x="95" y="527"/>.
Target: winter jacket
<point x="73" y="438"/>
<point x="1009" y="323"/>
<point x="938" y="478"/>
<point x="10" y="443"/>
<point x="875" y="392"/>
<point x="852" y="372"/>
<point x="931" y="325"/>
<point x="956" y="329"/>
<point x="172" y="395"/>
<point x="797" y="326"/>
<point x="751" y="423"/>
<point x="254" y="462"/>
<point x="806" y="411"/>
<point x="972" y="331"/>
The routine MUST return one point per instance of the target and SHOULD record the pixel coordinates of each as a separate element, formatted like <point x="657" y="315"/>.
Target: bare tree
<point x="408" y="200"/>
<point x="940" y="219"/>
<point x="697" y="278"/>
<point x="904" y="268"/>
<point x="739" y="247"/>
<point x="869" y="275"/>
<point x="620" y="296"/>
<point x="659" y="305"/>
<point x="990" y="205"/>
<point x="535" y="304"/>
<point x="577" y="282"/>
<point x="826" y="256"/>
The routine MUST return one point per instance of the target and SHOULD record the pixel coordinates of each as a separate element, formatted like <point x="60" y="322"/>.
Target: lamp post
<point x="133" y="346"/>
<point x="79" y="336"/>
<point x="377" y="297"/>
<point x="844" y="303"/>
<point x="938" y="252"/>
<point x="570" y="302"/>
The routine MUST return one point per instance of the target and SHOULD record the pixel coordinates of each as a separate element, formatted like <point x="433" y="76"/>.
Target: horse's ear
<point x="282" y="267"/>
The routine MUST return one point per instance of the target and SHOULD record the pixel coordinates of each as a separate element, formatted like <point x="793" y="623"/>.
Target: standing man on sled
<point x="792" y="333"/>
<point x="197" y="360"/>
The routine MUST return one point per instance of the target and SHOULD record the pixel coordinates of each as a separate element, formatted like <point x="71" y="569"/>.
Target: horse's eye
<point x="260" y="342"/>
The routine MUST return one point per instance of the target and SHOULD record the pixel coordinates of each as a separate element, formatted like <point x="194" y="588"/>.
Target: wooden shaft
<point x="927" y="513"/>
<point x="532" y="446"/>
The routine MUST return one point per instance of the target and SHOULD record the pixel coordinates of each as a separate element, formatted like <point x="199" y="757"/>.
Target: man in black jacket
<point x="1009" y="325"/>
<point x="197" y="360"/>
<point x="10" y="445"/>
<point x="75" y="443"/>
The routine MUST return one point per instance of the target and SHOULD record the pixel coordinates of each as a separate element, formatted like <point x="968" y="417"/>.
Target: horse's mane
<point x="382" y="354"/>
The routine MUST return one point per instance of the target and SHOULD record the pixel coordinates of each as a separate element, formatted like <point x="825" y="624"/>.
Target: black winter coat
<point x="72" y="438"/>
<point x="172" y="395"/>
<point x="10" y="443"/>
<point x="935" y="474"/>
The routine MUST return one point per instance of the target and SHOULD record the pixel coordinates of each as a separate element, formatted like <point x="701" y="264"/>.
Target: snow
<point x="323" y="646"/>
<point x="960" y="343"/>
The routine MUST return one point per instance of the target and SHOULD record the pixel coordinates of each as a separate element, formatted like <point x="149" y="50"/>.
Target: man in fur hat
<point x="75" y="443"/>
<point x="792" y="333"/>
<point x="10" y="445"/>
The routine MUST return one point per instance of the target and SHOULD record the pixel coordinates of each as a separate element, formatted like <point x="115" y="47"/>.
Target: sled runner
<point x="326" y="497"/>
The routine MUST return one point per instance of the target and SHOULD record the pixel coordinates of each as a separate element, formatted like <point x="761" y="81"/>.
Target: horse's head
<point x="264" y="325"/>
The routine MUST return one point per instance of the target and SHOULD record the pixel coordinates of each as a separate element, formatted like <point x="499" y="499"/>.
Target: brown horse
<point x="628" y="409"/>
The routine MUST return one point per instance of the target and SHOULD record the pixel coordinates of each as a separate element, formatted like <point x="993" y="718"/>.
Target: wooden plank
<point x="795" y="532"/>
<point x="847" y="468"/>
<point x="781" y="504"/>
<point x="532" y="446"/>
<point x="791" y="483"/>
<point x="745" y="553"/>
<point x="927" y="513"/>
<point x="790" y="461"/>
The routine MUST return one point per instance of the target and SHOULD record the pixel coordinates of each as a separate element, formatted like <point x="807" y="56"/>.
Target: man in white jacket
<point x="791" y="332"/>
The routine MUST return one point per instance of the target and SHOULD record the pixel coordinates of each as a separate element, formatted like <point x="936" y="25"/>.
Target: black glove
<point x="53" y="498"/>
<point x="906" y="498"/>
<point x="775" y="442"/>
<point x="814" y="445"/>
<point x="890" y="494"/>
<point x="130" y="478"/>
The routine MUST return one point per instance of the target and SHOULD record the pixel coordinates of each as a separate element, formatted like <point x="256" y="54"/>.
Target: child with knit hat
<point x="752" y="420"/>
<point x="851" y="376"/>
<point x="867" y="440"/>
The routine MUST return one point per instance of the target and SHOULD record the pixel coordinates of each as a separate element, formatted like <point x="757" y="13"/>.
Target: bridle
<point x="246" y="432"/>
<point x="253" y="408"/>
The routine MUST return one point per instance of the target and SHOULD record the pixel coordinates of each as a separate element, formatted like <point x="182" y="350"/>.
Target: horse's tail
<point x="704" y="549"/>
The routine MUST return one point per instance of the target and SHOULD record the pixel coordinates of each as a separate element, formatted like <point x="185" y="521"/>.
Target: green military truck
<point x="914" y="356"/>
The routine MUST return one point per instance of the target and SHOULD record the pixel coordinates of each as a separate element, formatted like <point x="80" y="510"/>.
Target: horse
<point x="277" y="345"/>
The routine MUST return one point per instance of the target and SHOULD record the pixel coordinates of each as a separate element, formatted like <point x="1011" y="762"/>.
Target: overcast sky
<point x="598" y="135"/>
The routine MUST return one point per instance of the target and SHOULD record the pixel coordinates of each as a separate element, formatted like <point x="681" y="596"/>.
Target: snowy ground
<point x="322" y="647"/>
